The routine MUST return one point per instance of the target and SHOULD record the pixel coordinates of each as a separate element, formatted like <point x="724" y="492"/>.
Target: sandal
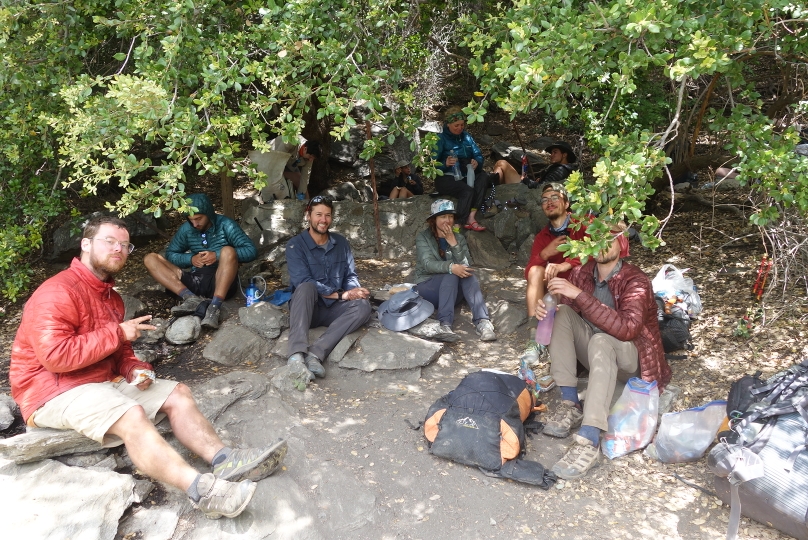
<point x="474" y="226"/>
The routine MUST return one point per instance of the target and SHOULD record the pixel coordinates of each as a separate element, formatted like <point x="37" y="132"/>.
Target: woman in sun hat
<point x="443" y="274"/>
<point x="455" y="145"/>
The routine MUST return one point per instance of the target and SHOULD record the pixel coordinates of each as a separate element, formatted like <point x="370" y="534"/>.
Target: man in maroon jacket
<point x="72" y="367"/>
<point x="607" y="320"/>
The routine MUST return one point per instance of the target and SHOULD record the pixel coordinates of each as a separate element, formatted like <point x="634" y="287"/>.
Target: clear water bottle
<point x="252" y="293"/>
<point x="456" y="167"/>
<point x="301" y="196"/>
<point x="545" y="328"/>
<point x="470" y="178"/>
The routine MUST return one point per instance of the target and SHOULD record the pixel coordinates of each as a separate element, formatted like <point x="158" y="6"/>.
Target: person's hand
<point x="474" y="164"/>
<point x="552" y="270"/>
<point x="142" y="378"/>
<point x="410" y="181"/>
<point x="203" y="258"/>
<point x="446" y="231"/>
<point x="133" y="327"/>
<point x="563" y="287"/>
<point x="552" y="248"/>
<point x="541" y="310"/>
<point x="451" y="160"/>
<point x="358" y="293"/>
<point x="462" y="271"/>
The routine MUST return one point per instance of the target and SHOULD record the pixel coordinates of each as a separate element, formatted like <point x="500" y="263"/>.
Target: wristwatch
<point x="339" y="293"/>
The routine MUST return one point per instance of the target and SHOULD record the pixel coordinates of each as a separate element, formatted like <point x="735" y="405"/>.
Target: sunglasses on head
<point x="319" y="199"/>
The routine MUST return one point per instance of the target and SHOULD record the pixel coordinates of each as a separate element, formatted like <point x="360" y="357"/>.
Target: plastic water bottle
<point x="545" y="328"/>
<point x="470" y="176"/>
<point x="456" y="167"/>
<point x="524" y="165"/>
<point x="252" y="293"/>
<point x="301" y="196"/>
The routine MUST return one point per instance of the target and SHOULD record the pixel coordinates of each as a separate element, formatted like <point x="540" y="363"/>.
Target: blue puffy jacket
<point x="223" y="231"/>
<point x="463" y="145"/>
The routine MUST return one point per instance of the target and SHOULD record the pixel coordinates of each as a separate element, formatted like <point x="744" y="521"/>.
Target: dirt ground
<point x="362" y="421"/>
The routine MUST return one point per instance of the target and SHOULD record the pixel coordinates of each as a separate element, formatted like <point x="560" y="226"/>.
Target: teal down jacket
<point x="428" y="258"/>
<point x="222" y="232"/>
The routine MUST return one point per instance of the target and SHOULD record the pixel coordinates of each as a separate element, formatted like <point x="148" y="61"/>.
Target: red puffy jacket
<point x="69" y="336"/>
<point x="633" y="319"/>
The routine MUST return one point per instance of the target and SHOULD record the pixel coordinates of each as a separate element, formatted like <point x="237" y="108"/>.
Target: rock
<point x="542" y="143"/>
<point x="382" y="349"/>
<point x="150" y="524"/>
<point x="487" y="251"/>
<point x="40" y="443"/>
<point x="264" y="319"/>
<point x="344" y="191"/>
<point x="431" y="126"/>
<point x="184" y="330"/>
<point x="271" y="224"/>
<point x="525" y="248"/>
<point x="504" y="227"/>
<point x="83" y="460"/>
<point x="281" y="347"/>
<point x="141" y="490"/>
<point x="291" y="377"/>
<point x="54" y="501"/>
<point x="341" y="349"/>
<point x="8" y="410"/>
<point x="132" y="307"/>
<point x="507" y="316"/>
<point x="216" y="395"/>
<point x="109" y="463"/>
<point x="153" y="336"/>
<point x="67" y="238"/>
<point x="146" y="355"/>
<point x="233" y="344"/>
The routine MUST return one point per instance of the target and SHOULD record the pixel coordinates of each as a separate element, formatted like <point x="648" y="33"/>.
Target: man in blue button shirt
<point x="325" y="288"/>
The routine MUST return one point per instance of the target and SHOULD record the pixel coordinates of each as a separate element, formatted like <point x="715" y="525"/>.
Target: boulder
<point x="153" y="336"/>
<point x="132" y="307"/>
<point x="291" y="377"/>
<point x="487" y="251"/>
<point x="264" y="319"/>
<point x="507" y="316"/>
<point x="184" y="330"/>
<point x="54" y="501"/>
<point x="67" y="238"/>
<point x="233" y="344"/>
<point x="159" y="523"/>
<point x="8" y="410"/>
<point x="385" y="350"/>
<point x="523" y="255"/>
<point x="271" y="224"/>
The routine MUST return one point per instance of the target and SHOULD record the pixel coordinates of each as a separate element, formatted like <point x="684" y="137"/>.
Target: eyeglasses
<point x="553" y="198"/>
<point x="126" y="247"/>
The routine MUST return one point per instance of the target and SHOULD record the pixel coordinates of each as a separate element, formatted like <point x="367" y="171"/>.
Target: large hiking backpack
<point x="761" y="464"/>
<point x="482" y="423"/>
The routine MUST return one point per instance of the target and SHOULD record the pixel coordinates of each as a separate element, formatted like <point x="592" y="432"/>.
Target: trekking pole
<point x="519" y="138"/>
<point x="375" y="196"/>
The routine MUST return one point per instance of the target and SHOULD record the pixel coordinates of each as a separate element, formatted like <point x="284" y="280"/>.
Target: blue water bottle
<point x="251" y="293"/>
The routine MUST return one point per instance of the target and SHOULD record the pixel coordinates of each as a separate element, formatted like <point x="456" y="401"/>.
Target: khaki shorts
<point x="92" y="408"/>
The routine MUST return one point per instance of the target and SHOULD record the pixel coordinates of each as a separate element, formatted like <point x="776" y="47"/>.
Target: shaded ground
<point x="359" y="419"/>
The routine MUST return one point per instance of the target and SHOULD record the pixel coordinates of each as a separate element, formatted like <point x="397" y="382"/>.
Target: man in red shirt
<point x="546" y="261"/>
<point x="72" y="367"/>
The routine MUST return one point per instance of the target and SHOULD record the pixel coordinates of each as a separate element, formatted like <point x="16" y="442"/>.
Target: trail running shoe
<point x="251" y="463"/>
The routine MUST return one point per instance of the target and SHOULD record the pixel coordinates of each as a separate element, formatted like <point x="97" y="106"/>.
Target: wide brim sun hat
<point x="564" y="147"/>
<point x="442" y="207"/>
<point x="404" y="310"/>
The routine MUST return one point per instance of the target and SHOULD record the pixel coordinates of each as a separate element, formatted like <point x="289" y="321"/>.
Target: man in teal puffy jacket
<point x="201" y="261"/>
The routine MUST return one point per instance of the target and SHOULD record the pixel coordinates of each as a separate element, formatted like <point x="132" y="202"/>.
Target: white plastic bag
<point x="633" y="419"/>
<point x="670" y="281"/>
<point x="686" y="435"/>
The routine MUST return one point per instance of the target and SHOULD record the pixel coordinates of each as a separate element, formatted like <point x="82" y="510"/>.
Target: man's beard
<point x="556" y="213"/>
<point x="320" y="228"/>
<point x="606" y="258"/>
<point x="108" y="267"/>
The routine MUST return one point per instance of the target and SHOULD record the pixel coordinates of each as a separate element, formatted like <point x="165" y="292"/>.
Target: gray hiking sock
<point x="192" y="492"/>
<point x="221" y="455"/>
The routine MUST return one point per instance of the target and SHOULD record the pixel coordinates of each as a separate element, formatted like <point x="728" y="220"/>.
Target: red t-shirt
<point x="543" y="240"/>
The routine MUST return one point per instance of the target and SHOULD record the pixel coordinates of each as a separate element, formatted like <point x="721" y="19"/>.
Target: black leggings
<point x="467" y="197"/>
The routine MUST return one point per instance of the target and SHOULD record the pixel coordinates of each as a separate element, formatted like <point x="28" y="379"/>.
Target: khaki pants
<point x="607" y="358"/>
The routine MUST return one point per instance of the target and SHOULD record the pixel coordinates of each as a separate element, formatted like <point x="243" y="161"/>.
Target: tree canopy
<point x="144" y="94"/>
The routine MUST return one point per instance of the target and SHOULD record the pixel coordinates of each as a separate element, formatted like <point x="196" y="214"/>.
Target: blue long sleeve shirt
<point x="330" y="266"/>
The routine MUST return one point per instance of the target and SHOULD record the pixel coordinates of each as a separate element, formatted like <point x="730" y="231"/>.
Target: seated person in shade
<point x="607" y="321"/>
<point x="404" y="185"/>
<point x="562" y="164"/>
<point x="202" y="261"/>
<point x="443" y="275"/>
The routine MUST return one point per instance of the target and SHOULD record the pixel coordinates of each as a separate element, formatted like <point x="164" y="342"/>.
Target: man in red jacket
<point x="546" y="260"/>
<point x="72" y="367"/>
<point x="607" y="321"/>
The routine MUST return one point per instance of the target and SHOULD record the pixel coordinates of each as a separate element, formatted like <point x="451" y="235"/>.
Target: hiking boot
<point x="446" y="334"/>
<point x="567" y="416"/>
<point x="187" y="307"/>
<point x="212" y="316"/>
<point x="580" y="457"/>
<point x="251" y="463"/>
<point x="222" y="498"/>
<point x="486" y="330"/>
<point x="297" y="357"/>
<point x="314" y="366"/>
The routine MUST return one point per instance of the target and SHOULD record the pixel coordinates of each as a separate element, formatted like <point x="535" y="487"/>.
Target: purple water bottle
<point x="545" y="328"/>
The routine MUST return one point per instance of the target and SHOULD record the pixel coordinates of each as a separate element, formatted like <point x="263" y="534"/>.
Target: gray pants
<point x="607" y="358"/>
<point x="444" y="291"/>
<point x="306" y="311"/>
